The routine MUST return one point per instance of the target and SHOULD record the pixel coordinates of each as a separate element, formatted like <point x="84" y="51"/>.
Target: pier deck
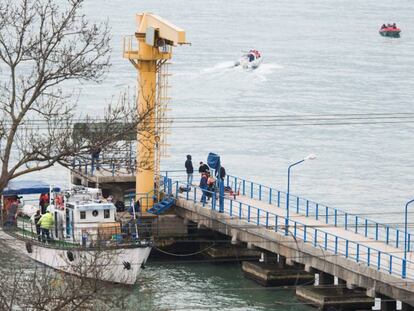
<point x="360" y="251"/>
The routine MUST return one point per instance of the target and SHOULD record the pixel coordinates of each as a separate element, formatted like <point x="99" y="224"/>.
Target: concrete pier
<point x="270" y="274"/>
<point x="232" y="252"/>
<point x="331" y="298"/>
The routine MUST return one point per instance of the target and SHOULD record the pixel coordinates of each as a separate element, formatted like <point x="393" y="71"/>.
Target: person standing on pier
<point x="203" y="186"/>
<point x="190" y="170"/>
<point x="203" y="168"/>
<point x="46" y="223"/>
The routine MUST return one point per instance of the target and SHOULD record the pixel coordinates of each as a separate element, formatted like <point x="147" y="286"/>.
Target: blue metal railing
<point x="332" y="216"/>
<point x="326" y="241"/>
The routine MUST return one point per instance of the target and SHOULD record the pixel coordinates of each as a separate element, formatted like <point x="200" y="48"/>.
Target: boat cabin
<point x="83" y="216"/>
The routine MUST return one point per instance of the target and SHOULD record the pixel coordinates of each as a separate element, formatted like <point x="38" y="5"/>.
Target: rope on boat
<point x="184" y="255"/>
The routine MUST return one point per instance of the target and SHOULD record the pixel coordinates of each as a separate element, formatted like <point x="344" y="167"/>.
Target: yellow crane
<point x="148" y="50"/>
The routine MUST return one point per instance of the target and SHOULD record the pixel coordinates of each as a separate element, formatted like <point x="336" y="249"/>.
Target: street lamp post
<point x="309" y="157"/>
<point x="404" y="267"/>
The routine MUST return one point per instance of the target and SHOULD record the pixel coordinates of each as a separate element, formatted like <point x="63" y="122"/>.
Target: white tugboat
<point x="86" y="238"/>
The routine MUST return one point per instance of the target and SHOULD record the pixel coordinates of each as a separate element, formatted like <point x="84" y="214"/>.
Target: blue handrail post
<point x="297" y="205"/>
<point x="336" y="245"/>
<point x="213" y="202"/>
<point x="366" y="227"/>
<point x="267" y="219"/>
<point x="260" y="192"/>
<point x="357" y="253"/>
<point x="307" y="208"/>
<point x="304" y="233"/>
<point x="356" y="224"/>
<point x="195" y="195"/>
<point x="405" y="235"/>
<point x="404" y="269"/>
<point x="251" y="190"/>
<point x="387" y="230"/>
<point x="397" y="237"/>
<point x="270" y="195"/>
<point x="376" y="231"/>
<point x="228" y="180"/>
<point x="336" y="218"/>
<point x="327" y="214"/>
<point x="346" y="248"/>
<point x="346" y="221"/>
<point x="276" y="222"/>
<point x="176" y="189"/>
<point x="368" y="256"/>
<point x="231" y="207"/>
<point x="244" y="187"/>
<point x="258" y="216"/>
<point x="248" y="213"/>
<point x="379" y="260"/>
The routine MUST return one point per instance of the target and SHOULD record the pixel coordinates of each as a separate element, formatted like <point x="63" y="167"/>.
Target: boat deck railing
<point x="89" y="237"/>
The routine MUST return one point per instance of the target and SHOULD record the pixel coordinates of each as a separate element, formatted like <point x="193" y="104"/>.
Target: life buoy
<point x="70" y="256"/>
<point x="59" y="202"/>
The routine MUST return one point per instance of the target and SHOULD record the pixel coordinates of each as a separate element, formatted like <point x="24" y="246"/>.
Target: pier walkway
<point x="360" y="251"/>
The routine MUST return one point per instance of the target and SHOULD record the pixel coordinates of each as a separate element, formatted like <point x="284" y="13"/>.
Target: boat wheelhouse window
<point x="82" y="215"/>
<point x="107" y="213"/>
<point x="95" y="213"/>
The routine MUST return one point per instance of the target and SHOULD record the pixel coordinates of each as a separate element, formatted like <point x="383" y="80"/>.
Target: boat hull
<point x="116" y="264"/>
<point x="393" y="34"/>
<point x="247" y="64"/>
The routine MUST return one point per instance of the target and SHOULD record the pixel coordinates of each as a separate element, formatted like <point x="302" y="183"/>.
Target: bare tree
<point x="43" y="46"/>
<point x="41" y="288"/>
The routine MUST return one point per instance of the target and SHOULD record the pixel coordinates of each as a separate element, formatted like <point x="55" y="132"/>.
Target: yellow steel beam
<point x="166" y="30"/>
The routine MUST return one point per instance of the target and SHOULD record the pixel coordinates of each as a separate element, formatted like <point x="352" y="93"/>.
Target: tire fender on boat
<point x="70" y="255"/>
<point x="29" y="247"/>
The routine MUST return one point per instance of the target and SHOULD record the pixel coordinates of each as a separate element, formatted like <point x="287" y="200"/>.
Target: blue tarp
<point x="213" y="160"/>
<point x="16" y="187"/>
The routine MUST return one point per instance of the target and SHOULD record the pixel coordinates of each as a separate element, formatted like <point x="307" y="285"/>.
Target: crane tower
<point x="149" y="50"/>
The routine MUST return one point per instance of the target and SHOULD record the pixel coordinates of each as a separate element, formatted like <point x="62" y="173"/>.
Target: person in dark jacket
<point x="190" y="170"/>
<point x="203" y="186"/>
<point x="203" y="168"/>
<point x="222" y="173"/>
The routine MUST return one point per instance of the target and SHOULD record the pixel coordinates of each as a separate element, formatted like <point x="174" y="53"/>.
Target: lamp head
<point x="310" y="157"/>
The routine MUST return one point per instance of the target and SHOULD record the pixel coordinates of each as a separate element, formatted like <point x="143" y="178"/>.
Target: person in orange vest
<point x="44" y="202"/>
